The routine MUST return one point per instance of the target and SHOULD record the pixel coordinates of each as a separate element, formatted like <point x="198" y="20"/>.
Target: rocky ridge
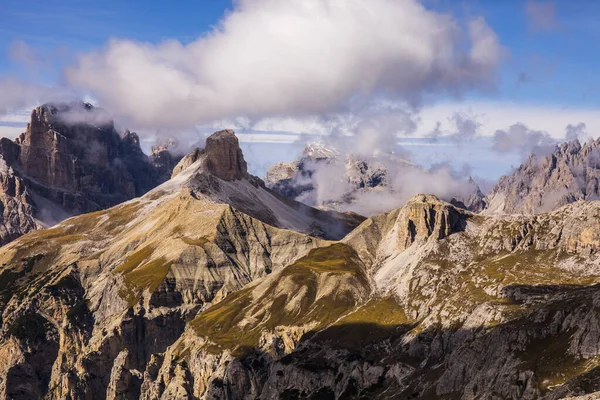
<point x="545" y="183"/>
<point x="433" y="302"/>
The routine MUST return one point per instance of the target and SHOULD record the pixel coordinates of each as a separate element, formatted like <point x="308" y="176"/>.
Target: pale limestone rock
<point x="545" y="183"/>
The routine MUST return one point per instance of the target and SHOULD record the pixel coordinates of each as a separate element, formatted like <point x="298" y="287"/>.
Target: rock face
<point x="222" y="157"/>
<point x="16" y="205"/>
<point x="423" y="217"/>
<point x="164" y="157"/>
<point x="70" y="160"/>
<point x="544" y="184"/>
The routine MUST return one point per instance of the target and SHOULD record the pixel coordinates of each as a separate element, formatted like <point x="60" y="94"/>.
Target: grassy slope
<point x="293" y="297"/>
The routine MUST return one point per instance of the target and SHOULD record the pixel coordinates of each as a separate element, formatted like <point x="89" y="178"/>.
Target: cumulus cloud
<point x="374" y="183"/>
<point x="76" y="113"/>
<point x="463" y="126"/>
<point x="541" y="15"/>
<point x="293" y="57"/>
<point x="521" y="139"/>
<point x="573" y="132"/>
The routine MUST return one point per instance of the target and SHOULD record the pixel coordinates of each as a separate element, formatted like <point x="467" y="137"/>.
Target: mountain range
<point x="190" y="278"/>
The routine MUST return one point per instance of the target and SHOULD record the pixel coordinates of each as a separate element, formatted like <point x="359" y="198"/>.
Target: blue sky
<point x="546" y="78"/>
<point x="73" y="26"/>
<point x="558" y="63"/>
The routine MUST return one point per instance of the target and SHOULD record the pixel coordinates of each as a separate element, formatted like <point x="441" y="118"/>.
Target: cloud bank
<point x="292" y="58"/>
<point x="520" y="138"/>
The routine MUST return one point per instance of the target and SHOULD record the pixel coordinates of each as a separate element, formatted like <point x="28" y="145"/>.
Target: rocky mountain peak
<point x="545" y="183"/>
<point x="168" y="145"/>
<point x="425" y="216"/>
<point x="221" y="157"/>
<point x="70" y="160"/>
<point x="165" y="156"/>
<point x="130" y="138"/>
<point x="65" y="118"/>
<point x="224" y="156"/>
<point x="318" y="150"/>
<point x="571" y="147"/>
<point x="357" y="176"/>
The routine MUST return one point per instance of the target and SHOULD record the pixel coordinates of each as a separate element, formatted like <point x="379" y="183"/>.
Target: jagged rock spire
<point x="222" y="157"/>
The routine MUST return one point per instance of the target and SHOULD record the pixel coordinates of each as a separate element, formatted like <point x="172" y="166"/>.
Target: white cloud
<point x="480" y="118"/>
<point x="16" y="94"/>
<point x="267" y="138"/>
<point x="493" y="116"/>
<point x="577" y="131"/>
<point x="292" y="57"/>
<point x="520" y="138"/>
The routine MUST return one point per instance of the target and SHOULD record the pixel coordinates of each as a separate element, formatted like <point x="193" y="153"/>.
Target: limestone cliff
<point x="545" y="183"/>
<point x="70" y="160"/>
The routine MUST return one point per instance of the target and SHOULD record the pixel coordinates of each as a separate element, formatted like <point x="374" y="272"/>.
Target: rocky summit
<point x="70" y="160"/>
<point x="295" y="179"/>
<point x="545" y="183"/>
<point x="212" y="286"/>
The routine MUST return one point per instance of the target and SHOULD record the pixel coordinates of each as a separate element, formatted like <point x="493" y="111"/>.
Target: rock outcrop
<point x="224" y="158"/>
<point x="424" y="217"/>
<point x="164" y="157"/>
<point x="70" y="160"/>
<point x="221" y="156"/>
<point x="17" y="212"/>
<point x="545" y="183"/>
